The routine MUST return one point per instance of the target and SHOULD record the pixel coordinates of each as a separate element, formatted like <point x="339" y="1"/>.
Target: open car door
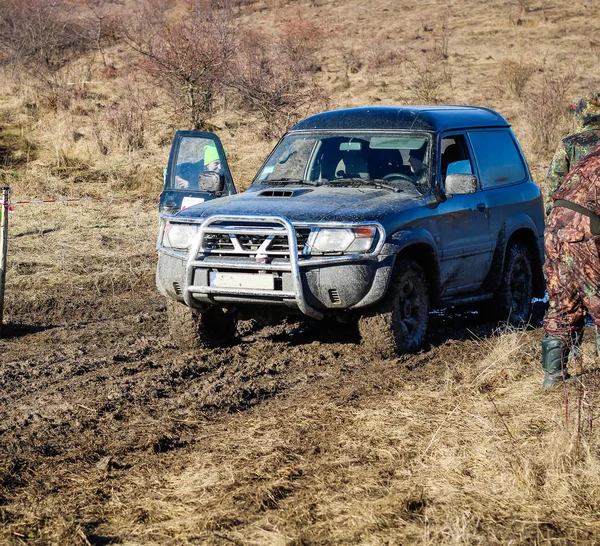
<point x="197" y="171"/>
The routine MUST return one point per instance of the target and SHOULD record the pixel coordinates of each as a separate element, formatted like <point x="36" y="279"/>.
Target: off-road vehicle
<point x="376" y="215"/>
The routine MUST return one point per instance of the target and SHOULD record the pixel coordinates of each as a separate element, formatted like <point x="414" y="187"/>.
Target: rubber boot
<point x="554" y="362"/>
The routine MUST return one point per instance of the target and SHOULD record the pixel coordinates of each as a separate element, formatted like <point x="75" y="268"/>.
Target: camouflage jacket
<point x="583" y="137"/>
<point x="582" y="184"/>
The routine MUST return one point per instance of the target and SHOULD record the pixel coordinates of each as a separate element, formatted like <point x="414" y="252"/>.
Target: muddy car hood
<point x="305" y="204"/>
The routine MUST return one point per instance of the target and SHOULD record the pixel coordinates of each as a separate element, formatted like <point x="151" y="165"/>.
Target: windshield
<point x="338" y="158"/>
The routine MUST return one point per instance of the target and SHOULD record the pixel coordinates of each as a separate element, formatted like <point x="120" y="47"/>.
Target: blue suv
<point x="373" y="215"/>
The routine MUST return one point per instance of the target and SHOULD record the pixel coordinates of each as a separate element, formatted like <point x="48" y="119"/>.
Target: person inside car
<point x="188" y="173"/>
<point x="415" y="159"/>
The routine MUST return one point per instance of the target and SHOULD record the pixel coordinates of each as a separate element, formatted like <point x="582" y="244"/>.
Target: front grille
<point x="249" y="243"/>
<point x="217" y="241"/>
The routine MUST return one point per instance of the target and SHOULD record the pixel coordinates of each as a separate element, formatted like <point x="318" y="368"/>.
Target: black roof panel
<point x="417" y="118"/>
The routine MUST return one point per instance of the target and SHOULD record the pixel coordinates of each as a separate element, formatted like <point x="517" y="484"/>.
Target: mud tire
<point x="399" y="324"/>
<point x="513" y="302"/>
<point x="192" y="329"/>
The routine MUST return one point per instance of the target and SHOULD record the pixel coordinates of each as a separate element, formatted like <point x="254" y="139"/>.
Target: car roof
<point x="432" y="118"/>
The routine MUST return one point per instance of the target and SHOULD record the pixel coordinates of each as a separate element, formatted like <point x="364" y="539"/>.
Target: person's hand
<point x="181" y="183"/>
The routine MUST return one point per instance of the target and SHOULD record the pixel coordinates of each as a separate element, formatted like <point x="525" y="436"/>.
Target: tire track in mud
<point x="115" y="394"/>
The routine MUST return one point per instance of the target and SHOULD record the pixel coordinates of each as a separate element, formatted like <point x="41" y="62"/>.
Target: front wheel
<point x="399" y="324"/>
<point x="192" y="329"/>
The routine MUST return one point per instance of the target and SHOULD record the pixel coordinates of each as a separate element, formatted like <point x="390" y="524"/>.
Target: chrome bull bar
<point x="283" y="227"/>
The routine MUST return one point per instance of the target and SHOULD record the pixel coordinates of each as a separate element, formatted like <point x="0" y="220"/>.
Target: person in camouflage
<point x="582" y="138"/>
<point x="572" y="267"/>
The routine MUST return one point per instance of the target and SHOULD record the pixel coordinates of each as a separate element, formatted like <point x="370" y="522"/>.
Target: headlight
<point x="352" y="240"/>
<point x="178" y="235"/>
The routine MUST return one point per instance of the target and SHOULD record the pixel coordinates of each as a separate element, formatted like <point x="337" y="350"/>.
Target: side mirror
<point x="211" y="181"/>
<point x="457" y="184"/>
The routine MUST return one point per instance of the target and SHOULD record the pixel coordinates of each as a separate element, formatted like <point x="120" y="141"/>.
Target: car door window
<point x="195" y="155"/>
<point x="498" y="158"/>
<point x="454" y="157"/>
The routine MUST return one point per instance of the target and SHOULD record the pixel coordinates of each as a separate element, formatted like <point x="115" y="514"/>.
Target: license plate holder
<point x="247" y="281"/>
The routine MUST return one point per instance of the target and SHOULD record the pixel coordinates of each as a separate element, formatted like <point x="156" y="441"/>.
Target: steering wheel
<point x="392" y="177"/>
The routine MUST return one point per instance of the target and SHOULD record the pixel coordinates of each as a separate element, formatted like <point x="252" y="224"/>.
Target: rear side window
<point x="498" y="158"/>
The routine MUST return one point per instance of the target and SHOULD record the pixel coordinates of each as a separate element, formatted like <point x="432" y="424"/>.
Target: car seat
<point x="450" y="155"/>
<point x="355" y="166"/>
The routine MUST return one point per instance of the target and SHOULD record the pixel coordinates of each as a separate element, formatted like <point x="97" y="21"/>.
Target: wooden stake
<point x="3" y="246"/>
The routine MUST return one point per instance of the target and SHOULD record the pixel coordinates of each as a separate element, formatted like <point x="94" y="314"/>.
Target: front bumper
<point x="313" y="284"/>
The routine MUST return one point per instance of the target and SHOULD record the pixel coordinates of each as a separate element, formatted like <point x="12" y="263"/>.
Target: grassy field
<point x="110" y="434"/>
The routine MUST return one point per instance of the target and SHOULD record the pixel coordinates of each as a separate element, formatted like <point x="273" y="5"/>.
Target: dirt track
<point x="111" y="434"/>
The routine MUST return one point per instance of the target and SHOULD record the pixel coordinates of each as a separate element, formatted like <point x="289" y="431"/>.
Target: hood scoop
<point x="284" y="192"/>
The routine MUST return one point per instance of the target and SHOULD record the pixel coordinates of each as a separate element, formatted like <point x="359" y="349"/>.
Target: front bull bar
<point x="198" y="249"/>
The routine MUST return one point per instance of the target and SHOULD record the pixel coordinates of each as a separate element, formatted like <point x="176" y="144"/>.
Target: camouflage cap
<point x="587" y="113"/>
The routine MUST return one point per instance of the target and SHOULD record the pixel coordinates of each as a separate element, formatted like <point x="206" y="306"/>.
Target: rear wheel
<point x="513" y="300"/>
<point x="399" y="324"/>
<point x="191" y="329"/>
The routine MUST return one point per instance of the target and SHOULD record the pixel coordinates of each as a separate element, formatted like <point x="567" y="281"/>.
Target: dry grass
<point x="463" y="450"/>
<point x="64" y="257"/>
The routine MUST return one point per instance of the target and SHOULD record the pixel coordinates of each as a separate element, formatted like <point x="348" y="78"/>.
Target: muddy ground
<point x="111" y="434"/>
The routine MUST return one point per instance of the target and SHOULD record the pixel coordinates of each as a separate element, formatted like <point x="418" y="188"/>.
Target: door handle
<point x="481" y="207"/>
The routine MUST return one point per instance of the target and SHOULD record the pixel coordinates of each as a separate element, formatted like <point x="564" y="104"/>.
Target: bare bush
<point x="45" y="43"/>
<point x="429" y="80"/>
<point x="441" y="36"/>
<point x="513" y="76"/>
<point x="352" y="60"/>
<point x="595" y="49"/>
<point x="299" y="40"/>
<point x="273" y="84"/>
<point x="546" y="111"/>
<point x="101" y="22"/>
<point x="187" y="56"/>
<point x="127" y="121"/>
<point x="523" y="5"/>
<point x="382" y="56"/>
<point x="39" y="34"/>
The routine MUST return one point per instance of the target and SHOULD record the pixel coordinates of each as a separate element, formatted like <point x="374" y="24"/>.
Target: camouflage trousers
<point x="572" y="271"/>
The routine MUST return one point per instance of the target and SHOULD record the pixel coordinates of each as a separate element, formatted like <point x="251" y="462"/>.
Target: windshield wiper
<point x="376" y="182"/>
<point x="286" y="181"/>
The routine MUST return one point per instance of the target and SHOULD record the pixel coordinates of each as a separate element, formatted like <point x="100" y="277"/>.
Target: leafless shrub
<point x="595" y="48"/>
<point x="441" y="36"/>
<point x="352" y="60"/>
<point x="546" y="111"/>
<point x="523" y="5"/>
<point x="44" y="44"/>
<point x="271" y="83"/>
<point x="39" y="35"/>
<point x="299" y="40"/>
<point x="513" y="76"/>
<point x="440" y="33"/>
<point x="101" y="22"/>
<point x="187" y="56"/>
<point x="127" y="121"/>
<point x="429" y="80"/>
<point x="383" y="56"/>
